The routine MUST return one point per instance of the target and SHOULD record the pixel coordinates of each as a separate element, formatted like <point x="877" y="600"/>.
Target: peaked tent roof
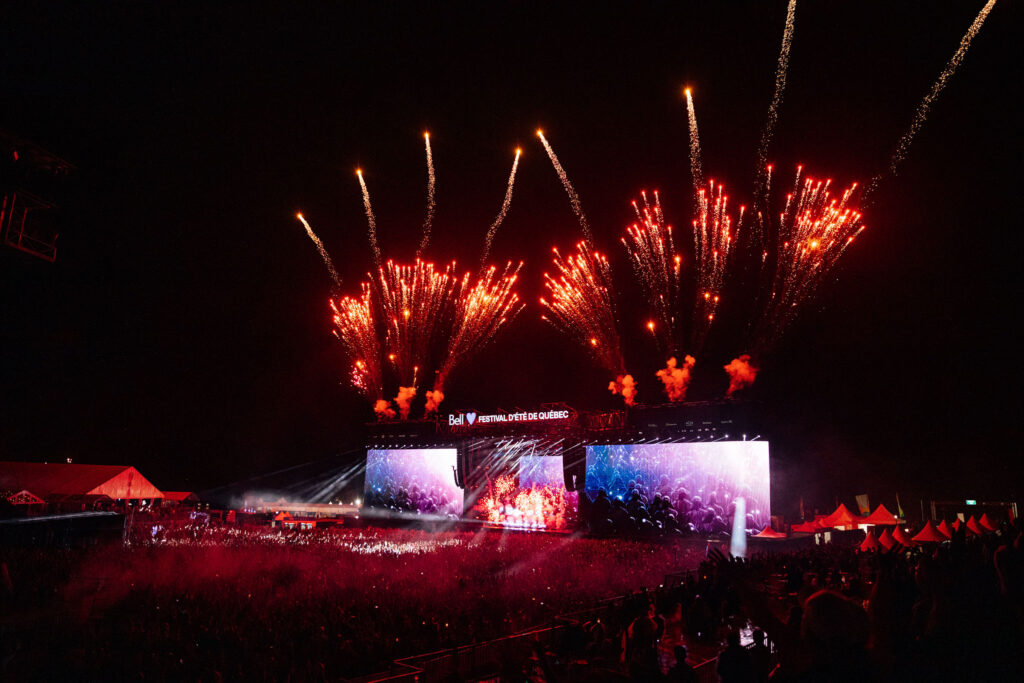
<point x="886" y="540"/>
<point x="52" y="479"/>
<point x="869" y="544"/>
<point x="957" y="524"/>
<point x="880" y="516"/>
<point x="902" y="537"/>
<point x="180" y="495"/>
<point x="974" y="527"/>
<point x="769" y="532"/>
<point x="806" y="528"/>
<point x="945" y="529"/>
<point x="841" y="517"/>
<point x="929" y="534"/>
<point x="986" y="522"/>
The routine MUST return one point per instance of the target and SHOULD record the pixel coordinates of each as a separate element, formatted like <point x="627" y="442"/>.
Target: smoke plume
<point x="383" y="410"/>
<point x="625" y="385"/>
<point x="741" y="373"/>
<point x="676" y="379"/>
<point x="434" y="399"/>
<point x="404" y="400"/>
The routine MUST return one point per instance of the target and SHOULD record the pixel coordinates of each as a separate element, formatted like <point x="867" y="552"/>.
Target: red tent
<point x="880" y="516"/>
<point x="902" y="537"/>
<point x="869" y="544"/>
<point x="957" y="524"/>
<point x="769" y="532"/>
<point x="886" y="540"/>
<point x="974" y="527"/>
<point x="806" y="528"/>
<point x="986" y="523"/>
<point x="929" y="534"/>
<point x="841" y="517"/>
<point x="945" y="529"/>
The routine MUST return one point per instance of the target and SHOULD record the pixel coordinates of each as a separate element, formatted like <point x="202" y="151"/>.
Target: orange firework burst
<point x="413" y="300"/>
<point x="354" y="326"/>
<point x="581" y="304"/>
<point x="813" y="231"/>
<point x="658" y="266"/>
<point x="480" y="311"/>
<point x="713" y="240"/>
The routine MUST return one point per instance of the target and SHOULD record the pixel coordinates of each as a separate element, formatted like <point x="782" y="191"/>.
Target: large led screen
<point x="530" y="493"/>
<point x="420" y="481"/>
<point x="697" y="484"/>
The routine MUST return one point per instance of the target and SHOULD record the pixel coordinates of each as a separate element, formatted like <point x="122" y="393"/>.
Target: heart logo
<point x="471" y="418"/>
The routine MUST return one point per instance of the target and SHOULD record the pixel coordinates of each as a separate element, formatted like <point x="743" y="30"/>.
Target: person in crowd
<point x="681" y="671"/>
<point x="734" y="664"/>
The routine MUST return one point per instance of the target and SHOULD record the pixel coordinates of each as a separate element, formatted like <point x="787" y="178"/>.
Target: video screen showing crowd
<point x="415" y="481"/>
<point x="678" y="487"/>
<point x="670" y="488"/>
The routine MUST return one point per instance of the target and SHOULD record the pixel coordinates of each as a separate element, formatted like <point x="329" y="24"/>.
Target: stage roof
<point x="62" y="479"/>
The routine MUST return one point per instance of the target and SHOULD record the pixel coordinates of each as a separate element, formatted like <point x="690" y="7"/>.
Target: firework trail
<point x="657" y="265"/>
<point x="676" y="379"/>
<point x="574" y="198"/>
<point x="370" y="219"/>
<point x="581" y="305"/>
<point x="696" y="165"/>
<point x="323" y="252"/>
<point x="480" y="311"/>
<point x="504" y="211"/>
<point x="413" y="300"/>
<point x="355" y="326"/>
<point x="813" y="231"/>
<point x="922" y="109"/>
<point x="431" y="202"/>
<point x="713" y="241"/>
<point x="761" y="181"/>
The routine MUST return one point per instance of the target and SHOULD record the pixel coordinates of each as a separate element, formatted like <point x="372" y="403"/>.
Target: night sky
<point x="184" y="326"/>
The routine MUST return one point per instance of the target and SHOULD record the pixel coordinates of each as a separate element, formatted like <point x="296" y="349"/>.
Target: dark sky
<point x="184" y="326"/>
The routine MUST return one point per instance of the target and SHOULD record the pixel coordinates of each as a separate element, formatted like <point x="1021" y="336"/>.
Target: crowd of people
<point x="196" y="601"/>
<point x="193" y="600"/>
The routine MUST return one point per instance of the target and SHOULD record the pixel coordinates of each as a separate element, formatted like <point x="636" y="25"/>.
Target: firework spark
<point x="489" y="241"/>
<point x="696" y="165"/>
<point x="480" y="311"/>
<point x="813" y="231"/>
<point x="370" y="219"/>
<point x="431" y="201"/>
<point x="323" y="252"/>
<point x="761" y="182"/>
<point x="413" y="300"/>
<point x="574" y="199"/>
<point x="581" y="304"/>
<point x="922" y="109"/>
<point x="355" y="326"/>
<point x="657" y="265"/>
<point x="713" y="239"/>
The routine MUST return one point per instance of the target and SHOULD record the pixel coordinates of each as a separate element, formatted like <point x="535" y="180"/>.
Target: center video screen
<point x="691" y="486"/>
<point x="417" y="481"/>
<point x="523" y="486"/>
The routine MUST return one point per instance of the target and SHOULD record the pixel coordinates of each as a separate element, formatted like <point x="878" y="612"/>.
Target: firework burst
<point x="813" y="231"/>
<point x="714" y="235"/>
<point x="413" y="300"/>
<point x="657" y="266"/>
<point x="354" y="325"/>
<point x="431" y="197"/>
<point x="480" y="310"/>
<point x="580" y="302"/>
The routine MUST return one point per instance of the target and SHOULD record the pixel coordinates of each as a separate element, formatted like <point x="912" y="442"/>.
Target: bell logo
<point x="471" y="418"/>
